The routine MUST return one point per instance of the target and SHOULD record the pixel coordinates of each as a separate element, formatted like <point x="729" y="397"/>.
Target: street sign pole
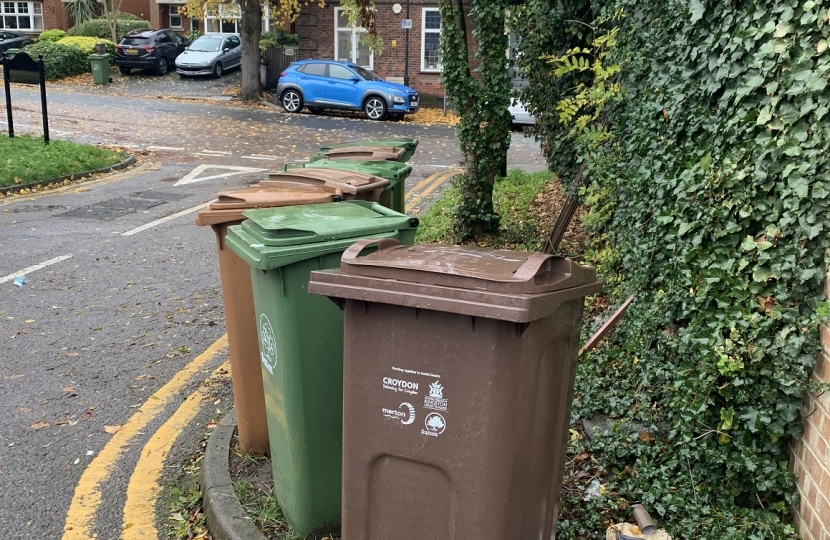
<point x="42" y="72"/>
<point x="8" y="95"/>
<point x="406" y="53"/>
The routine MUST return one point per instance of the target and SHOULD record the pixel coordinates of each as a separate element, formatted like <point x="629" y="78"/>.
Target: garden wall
<point x="810" y="459"/>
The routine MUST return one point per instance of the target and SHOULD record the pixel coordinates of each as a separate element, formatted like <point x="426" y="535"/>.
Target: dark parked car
<point x="326" y="84"/>
<point x="10" y="40"/>
<point x="211" y="54"/>
<point x="155" y="49"/>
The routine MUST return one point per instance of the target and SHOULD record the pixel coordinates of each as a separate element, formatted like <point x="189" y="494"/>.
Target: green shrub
<point x="52" y="35"/>
<point x="193" y="35"/>
<point x="124" y="16"/>
<point x="87" y="44"/>
<point x="59" y="60"/>
<point x="100" y="29"/>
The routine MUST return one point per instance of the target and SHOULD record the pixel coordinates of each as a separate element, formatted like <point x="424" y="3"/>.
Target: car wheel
<point x="292" y="101"/>
<point x="124" y="70"/>
<point x="217" y="70"/>
<point x="315" y="110"/>
<point x="162" y="66"/>
<point x="375" y="108"/>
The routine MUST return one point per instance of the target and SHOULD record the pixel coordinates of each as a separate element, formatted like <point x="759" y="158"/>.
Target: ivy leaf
<point x="814" y="230"/>
<point x="748" y="244"/>
<point x="800" y="186"/>
<point x="761" y="274"/>
<point x="764" y="116"/>
<point x="684" y="228"/>
<point x="696" y="10"/>
<point x="782" y="29"/>
<point x="706" y="163"/>
<point x="751" y="417"/>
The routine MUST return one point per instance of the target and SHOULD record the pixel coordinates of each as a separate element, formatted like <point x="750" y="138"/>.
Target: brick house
<point x="33" y="17"/>
<point x="324" y="33"/>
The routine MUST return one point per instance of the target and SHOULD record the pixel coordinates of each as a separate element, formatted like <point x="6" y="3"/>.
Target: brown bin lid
<point x="349" y="182"/>
<point x="229" y="205"/>
<point x="385" y="153"/>
<point x="465" y="267"/>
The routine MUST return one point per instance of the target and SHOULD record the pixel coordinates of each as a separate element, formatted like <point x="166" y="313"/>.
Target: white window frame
<point x="424" y="32"/>
<point x="173" y="11"/>
<point x="355" y="31"/>
<point x="34" y="12"/>
<point x="220" y="16"/>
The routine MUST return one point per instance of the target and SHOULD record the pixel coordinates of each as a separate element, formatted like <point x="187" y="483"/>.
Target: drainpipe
<point x="406" y="53"/>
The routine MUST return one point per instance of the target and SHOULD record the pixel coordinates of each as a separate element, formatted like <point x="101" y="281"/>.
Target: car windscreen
<point x="209" y="44"/>
<point x="135" y="41"/>
<point x="366" y="74"/>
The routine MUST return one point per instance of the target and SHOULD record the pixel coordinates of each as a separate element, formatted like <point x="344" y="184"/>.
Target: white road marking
<point x="216" y="152"/>
<point x="162" y="220"/>
<point x="265" y="158"/>
<point x="35" y="267"/>
<point x="176" y="148"/>
<point x="193" y="176"/>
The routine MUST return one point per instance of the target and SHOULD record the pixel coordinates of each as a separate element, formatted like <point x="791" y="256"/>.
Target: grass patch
<point x="263" y="509"/>
<point x="25" y="159"/>
<point x="512" y="197"/>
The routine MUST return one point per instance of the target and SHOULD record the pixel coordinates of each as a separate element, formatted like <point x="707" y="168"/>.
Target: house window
<point x="21" y="15"/>
<point x="194" y="25"/>
<point x="430" y="39"/>
<point x="226" y="17"/>
<point x="347" y="45"/>
<point x="175" y="17"/>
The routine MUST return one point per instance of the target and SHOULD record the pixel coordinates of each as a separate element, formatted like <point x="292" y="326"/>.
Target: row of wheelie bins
<point x="406" y="391"/>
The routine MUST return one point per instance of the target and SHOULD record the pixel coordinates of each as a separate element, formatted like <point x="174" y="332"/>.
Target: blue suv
<point x="326" y="84"/>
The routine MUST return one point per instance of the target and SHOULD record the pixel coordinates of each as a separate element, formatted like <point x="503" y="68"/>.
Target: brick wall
<point x="54" y="15"/>
<point x="315" y="29"/>
<point x="810" y="455"/>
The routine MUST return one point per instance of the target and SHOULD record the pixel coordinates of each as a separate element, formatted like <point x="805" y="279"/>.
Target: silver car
<point x="210" y="54"/>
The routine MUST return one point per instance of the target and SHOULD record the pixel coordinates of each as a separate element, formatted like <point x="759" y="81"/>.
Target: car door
<point x="163" y="46"/>
<point x="234" y="55"/>
<point x="313" y="81"/>
<point x="177" y="44"/>
<point x="341" y="88"/>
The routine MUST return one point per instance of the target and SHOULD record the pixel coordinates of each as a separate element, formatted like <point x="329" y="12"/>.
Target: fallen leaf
<point x="25" y="410"/>
<point x="112" y="429"/>
<point x="40" y="425"/>
<point x="69" y="389"/>
<point x="16" y="376"/>
<point x="30" y="321"/>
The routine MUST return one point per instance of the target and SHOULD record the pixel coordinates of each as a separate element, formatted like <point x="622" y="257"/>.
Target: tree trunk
<point x="251" y="31"/>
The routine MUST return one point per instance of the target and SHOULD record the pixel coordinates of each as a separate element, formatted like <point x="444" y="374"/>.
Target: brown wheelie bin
<point x="459" y="368"/>
<point x="349" y="184"/>
<point x="238" y="296"/>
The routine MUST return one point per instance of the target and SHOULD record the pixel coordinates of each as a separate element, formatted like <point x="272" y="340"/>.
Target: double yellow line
<point x="426" y="186"/>
<point x="143" y="488"/>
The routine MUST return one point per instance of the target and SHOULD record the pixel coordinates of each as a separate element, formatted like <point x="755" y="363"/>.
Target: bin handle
<point x="354" y="251"/>
<point x="530" y="268"/>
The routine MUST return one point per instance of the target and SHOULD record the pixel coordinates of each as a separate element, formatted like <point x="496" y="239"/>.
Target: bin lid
<point x="229" y="205"/>
<point x="351" y="182"/>
<point x="464" y="267"/>
<point x="391" y="170"/>
<point x="385" y="153"/>
<point x="409" y="143"/>
<point x="306" y="224"/>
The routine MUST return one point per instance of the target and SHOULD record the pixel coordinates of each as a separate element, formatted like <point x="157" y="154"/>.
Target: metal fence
<point x="276" y="60"/>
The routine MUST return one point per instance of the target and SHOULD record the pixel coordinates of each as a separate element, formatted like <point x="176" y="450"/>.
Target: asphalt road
<point x="122" y="291"/>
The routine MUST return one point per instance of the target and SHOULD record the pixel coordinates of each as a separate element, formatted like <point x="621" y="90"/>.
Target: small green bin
<point x="397" y="173"/>
<point x="408" y="143"/>
<point x="301" y="343"/>
<point x="100" y="64"/>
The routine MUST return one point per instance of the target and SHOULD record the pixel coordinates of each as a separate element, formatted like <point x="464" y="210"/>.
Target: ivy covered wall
<point x="709" y="202"/>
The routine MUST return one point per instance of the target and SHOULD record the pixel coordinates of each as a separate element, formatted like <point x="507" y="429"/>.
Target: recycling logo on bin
<point x="267" y="344"/>
<point x="435" y="425"/>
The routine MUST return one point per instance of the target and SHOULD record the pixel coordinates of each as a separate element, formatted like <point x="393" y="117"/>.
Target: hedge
<point x="52" y="35"/>
<point x="100" y="29"/>
<point x="59" y="60"/>
<point x="87" y="44"/>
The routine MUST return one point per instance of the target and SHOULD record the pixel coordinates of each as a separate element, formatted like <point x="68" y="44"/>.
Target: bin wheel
<point x="375" y="108"/>
<point x="162" y="66"/>
<point x="217" y="70"/>
<point x="124" y="70"/>
<point x="292" y="101"/>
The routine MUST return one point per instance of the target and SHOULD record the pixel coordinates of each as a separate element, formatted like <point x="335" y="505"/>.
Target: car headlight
<point x="397" y="99"/>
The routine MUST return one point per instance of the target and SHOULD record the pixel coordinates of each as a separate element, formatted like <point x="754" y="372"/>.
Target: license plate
<point x="131" y="51"/>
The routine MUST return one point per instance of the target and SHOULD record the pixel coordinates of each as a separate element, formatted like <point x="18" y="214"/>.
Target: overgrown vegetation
<point x="26" y="159"/>
<point x="512" y="197"/>
<point x="59" y="60"/>
<point x="52" y="35"/>
<point x="87" y="44"/>
<point x="100" y="28"/>
<point x="708" y="201"/>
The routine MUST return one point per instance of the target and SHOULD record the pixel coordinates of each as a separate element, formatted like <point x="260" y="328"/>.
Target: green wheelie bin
<point x="301" y="343"/>
<point x="409" y="144"/>
<point x="397" y="173"/>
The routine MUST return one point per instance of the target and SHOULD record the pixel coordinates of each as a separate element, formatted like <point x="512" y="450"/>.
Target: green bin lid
<point x="393" y="171"/>
<point x="308" y="224"/>
<point x="410" y="143"/>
